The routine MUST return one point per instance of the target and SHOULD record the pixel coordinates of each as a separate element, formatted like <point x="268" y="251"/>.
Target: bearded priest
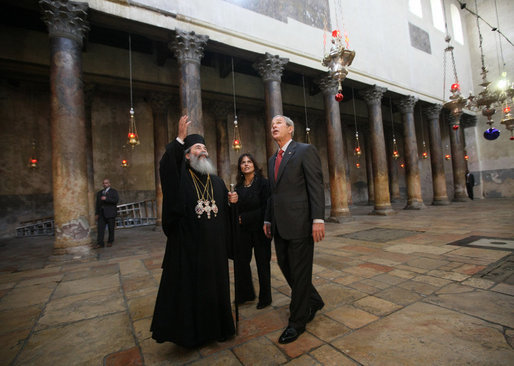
<point x="193" y="303"/>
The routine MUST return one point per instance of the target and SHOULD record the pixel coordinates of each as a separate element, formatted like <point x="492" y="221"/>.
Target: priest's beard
<point x="203" y="165"/>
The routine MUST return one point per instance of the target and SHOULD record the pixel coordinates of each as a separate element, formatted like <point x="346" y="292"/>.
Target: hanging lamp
<point x="396" y="153"/>
<point x="236" y="142"/>
<point x="307" y="129"/>
<point x="424" y="153"/>
<point x="33" y="161"/>
<point x="339" y="56"/>
<point x="456" y="102"/>
<point x="357" y="151"/>
<point x="133" y="137"/>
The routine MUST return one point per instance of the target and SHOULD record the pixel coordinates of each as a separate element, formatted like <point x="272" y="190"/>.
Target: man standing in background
<point x="105" y="211"/>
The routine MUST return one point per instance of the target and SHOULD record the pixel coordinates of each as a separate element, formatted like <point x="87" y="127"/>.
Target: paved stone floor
<point x="396" y="294"/>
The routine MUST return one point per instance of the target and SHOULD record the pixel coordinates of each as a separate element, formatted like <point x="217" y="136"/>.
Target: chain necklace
<point x="206" y="203"/>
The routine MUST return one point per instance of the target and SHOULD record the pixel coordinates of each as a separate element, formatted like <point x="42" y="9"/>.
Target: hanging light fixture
<point x="33" y="161"/>
<point x="447" y="156"/>
<point x="424" y="153"/>
<point x="307" y="129"/>
<point x="456" y="102"/>
<point x="339" y="56"/>
<point x="236" y="142"/>
<point x="396" y="153"/>
<point x="124" y="163"/>
<point x="133" y="137"/>
<point x="357" y="147"/>
<point x="487" y="98"/>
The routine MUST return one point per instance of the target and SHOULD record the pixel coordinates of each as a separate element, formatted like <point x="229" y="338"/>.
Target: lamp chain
<point x="130" y="69"/>
<point x="234" y="89"/>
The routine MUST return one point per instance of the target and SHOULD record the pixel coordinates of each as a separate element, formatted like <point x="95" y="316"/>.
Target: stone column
<point x="223" y="142"/>
<point x="67" y="26"/>
<point x="160" y="103"/>
<point x="414" y="198"/>
<point x="458" y="162"/>
<point x="270" y="69"/>
<point x="89" y="91"/>
<point x="373" y="97"/>
<point x="369" y="170"/>
<point x="188" y="49"/>
<point x="432" y="114"/>
<point x="335" y="149"/>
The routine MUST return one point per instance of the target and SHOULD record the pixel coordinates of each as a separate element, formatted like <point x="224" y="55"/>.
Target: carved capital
<point x="65" y="18"/>
<point x="406" y="104"/>
<point x="327" y="84"/>
<point x="188" y="46"/>
<point x="270" y="67"/>
<point x="159" y="102"/>
<point x="373" y="94"/>
<point x="433" y="111"/>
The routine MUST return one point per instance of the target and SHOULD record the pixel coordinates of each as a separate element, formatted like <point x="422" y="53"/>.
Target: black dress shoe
<point x="262" y="305"/>
<point x="314" y="309"/>
<point x="290" y="335"/>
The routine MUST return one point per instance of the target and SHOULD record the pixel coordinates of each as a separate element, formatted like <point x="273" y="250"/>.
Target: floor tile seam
<point x="32" y="330"/>
<point x="337" y="350"/>
<point x="131" y="322"/>
<point x="60" y="325"/>
<point x="503" y="326"/>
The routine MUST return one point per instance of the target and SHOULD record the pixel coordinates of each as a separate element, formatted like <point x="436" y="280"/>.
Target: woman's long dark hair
<point x="240" y="175"/>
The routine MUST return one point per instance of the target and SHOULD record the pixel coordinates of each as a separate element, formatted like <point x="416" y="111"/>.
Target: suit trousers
<point x="102" y="221"/>
<point x="261" y="246"/>
<point x="295" y="258"/>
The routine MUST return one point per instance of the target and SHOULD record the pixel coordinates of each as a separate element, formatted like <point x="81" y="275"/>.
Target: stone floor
<point x="396" y="293"/>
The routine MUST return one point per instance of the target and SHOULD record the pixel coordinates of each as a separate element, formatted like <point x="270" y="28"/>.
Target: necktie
<point x="278" y="161"/>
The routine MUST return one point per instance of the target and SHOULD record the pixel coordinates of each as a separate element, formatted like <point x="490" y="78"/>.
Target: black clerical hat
<point x="190" y="140"/>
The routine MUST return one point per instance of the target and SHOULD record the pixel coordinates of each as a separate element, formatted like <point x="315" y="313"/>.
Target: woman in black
<point x="253" y="191"/>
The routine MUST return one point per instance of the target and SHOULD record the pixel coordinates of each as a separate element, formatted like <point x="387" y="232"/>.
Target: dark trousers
<point x="261" y="246"/>
<point x="294" y="258"/>
<point x="102" y="221"/>
<point x="469" y="188"/>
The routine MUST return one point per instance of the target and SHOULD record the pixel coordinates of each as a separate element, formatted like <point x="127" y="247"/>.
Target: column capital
<point x="327" y="84"/>
<point x="468" y="120"/>
<point x="373" y="94"/>
<point x="65" y="18"/>
<point x="188" y="46"/>
<point x="270" y="66"/>
<point x="407" y="103"/>
<point x="159" y="102"/>
<point x="433" y="111"/>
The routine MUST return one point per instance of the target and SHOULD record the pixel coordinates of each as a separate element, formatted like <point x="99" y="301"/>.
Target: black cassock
<point x="193" y="303"/>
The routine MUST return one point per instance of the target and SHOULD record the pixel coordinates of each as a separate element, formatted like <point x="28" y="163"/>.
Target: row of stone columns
<point x="73" y="189"/>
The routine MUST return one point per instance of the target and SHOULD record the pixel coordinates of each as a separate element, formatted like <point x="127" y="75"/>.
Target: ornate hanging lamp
<point x="124" y="163"/>
<point x="133" y="137"/>
<point x="487" y="98"/>
<point x="456" y="102"/>
<point x="424" y="153"/>
<point x="357" y="151"/>
<point x="339" y="56"/>
<point x="396" y="153"/>
<point x="33" y="161"/>
<point x="236" y="142"/>
<point x="307" y="129"/>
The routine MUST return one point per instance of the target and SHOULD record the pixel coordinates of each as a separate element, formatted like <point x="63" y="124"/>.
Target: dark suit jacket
<point x="298" y="196"/>
<point x="108" y="207"/>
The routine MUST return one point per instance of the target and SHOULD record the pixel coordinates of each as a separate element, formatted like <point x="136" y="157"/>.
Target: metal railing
<point x="142" y="213"/>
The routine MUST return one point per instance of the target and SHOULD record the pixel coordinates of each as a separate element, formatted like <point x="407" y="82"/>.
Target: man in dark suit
<point x="105" y="211"/>
<point x="470" y="183"/>
<point x="294" y="217"/>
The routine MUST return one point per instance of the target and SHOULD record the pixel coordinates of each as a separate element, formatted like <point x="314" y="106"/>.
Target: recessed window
<point x="437" y="14"/>
<point x="457" y="24"/>
<point x="415" y="8"/>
